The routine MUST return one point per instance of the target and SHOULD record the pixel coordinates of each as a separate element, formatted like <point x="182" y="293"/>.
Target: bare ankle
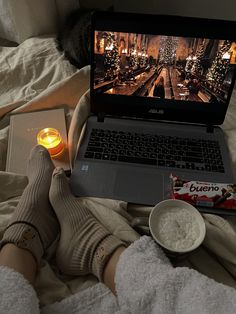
<point x="20" y="260"/>
<point x="110" y="269"/>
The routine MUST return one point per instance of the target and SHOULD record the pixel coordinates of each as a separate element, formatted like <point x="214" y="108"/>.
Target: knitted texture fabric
<point x="33" y="225"/>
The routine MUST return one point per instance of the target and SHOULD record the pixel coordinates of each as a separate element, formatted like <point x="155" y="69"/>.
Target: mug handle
<point x="141" y="224"/>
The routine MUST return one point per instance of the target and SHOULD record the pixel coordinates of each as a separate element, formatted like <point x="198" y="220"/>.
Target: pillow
<point x="22" y="19"/>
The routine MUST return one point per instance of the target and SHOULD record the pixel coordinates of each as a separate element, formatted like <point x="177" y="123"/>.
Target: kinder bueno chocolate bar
<point x="206" y="194"/>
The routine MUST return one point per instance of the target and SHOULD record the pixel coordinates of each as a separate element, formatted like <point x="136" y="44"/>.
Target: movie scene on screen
<point x="165" y="67"/>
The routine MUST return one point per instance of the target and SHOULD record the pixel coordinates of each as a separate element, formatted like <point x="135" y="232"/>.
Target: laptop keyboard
<point x="157" y="150"/>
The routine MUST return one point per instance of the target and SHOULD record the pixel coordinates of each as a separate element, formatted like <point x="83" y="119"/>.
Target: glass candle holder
<point x="51" y="139"/>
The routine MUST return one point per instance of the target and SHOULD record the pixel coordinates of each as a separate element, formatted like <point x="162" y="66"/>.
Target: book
<point x="24" y="128"/>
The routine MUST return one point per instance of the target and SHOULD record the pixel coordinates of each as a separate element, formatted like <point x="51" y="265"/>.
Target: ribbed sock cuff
<point x="24" y="236"/>
<point x="103" y="253"/>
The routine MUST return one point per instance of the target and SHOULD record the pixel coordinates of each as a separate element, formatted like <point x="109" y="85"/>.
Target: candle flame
<point x="51" y="139"/>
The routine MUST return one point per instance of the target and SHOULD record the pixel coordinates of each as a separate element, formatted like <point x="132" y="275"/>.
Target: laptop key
<point x="153" y="156"/>
<point x="97" y="155"/>
<point x="170" y="163"/>
<point x="92" y="143"/>
<point x="129" y="153"/>
<point x="89" y="155"/>
<point x="106" y="151"/>
<point x="94" y="149"/>
<point x="161" y="163"/>
<point x="113" y="157"/>
<point x="192" y="159"/>
<point x="137" y="160"/>
<point x="193" y="154"/>
<point x="106" y="156"/>
<point x="208" y="168"/>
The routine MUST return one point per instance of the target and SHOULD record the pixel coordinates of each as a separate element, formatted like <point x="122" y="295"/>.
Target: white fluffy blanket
<point x="145" y="281"/>
<point x="36" y="76"/>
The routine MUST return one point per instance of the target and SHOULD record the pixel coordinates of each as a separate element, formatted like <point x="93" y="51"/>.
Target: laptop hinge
<point x="101" y="116"/>
<point x="210" y="128"/>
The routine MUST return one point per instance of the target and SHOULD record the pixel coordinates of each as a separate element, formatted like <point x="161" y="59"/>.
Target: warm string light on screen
<point x="132" y="64"/>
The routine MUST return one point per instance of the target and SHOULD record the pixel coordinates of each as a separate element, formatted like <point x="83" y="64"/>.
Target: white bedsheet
<point x="36" y="76"/>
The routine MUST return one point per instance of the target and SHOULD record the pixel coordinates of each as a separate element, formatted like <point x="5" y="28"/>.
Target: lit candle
<point x="51" y="139"/>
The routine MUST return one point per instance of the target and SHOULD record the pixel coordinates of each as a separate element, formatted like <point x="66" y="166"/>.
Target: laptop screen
<point x="162" y="70"/>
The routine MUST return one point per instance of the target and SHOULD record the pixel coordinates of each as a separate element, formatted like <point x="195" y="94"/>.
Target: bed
<point x="34" y="75"/>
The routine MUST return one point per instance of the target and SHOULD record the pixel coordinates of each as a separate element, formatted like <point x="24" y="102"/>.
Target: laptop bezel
<point x="148" y="107"/>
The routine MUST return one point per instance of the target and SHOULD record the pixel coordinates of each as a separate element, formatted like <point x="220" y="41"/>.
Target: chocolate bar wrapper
<point x="205" y="194"/>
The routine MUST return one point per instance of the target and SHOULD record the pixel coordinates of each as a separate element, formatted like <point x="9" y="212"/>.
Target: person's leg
<point x="20" y="260"/>
<point x="33" y="226"/>
<point x="110" y="269"/>
<point x="85" y="245"/>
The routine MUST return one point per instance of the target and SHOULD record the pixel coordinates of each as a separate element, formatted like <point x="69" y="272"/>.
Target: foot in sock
<point x="34" y="225"/>
<point x="85" y="245"/>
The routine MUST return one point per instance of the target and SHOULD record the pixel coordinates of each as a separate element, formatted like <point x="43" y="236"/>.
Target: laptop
<point x="160" y="88"/>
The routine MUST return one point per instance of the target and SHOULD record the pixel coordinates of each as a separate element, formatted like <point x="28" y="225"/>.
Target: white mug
<point x="149" y="225"/>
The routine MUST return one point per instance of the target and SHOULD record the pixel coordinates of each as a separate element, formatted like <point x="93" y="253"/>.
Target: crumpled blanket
<point x="36" y="76"/>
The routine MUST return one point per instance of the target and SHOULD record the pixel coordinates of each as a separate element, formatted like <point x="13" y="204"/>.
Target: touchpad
<point x="139" y="186"/>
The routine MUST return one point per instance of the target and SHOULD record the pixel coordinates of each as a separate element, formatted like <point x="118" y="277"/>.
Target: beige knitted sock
<point x="33" y="225"/>
<point x="85" y="245"/>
